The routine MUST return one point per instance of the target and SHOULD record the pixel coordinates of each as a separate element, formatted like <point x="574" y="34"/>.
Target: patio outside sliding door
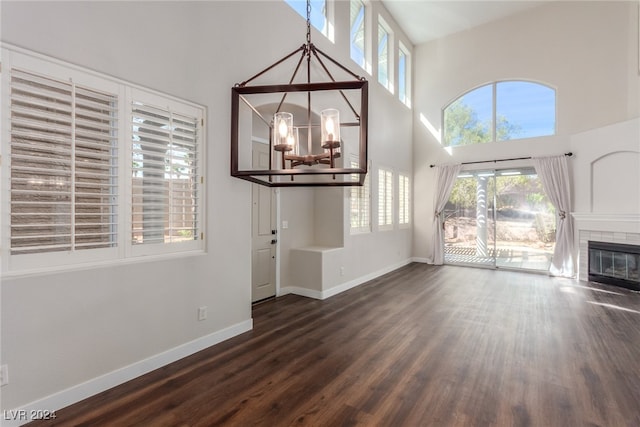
<point x="500" y="218"/>
<point x="469" y="224"/>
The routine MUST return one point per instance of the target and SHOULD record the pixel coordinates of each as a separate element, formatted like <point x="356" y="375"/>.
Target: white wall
<point x="607" y="172"/>
<point x="60" y="330"/>
<point x="587" y="50"/>
<point x="390" y="140"/>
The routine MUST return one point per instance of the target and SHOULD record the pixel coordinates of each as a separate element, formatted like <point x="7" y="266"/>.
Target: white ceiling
<point x="425" y="20"/>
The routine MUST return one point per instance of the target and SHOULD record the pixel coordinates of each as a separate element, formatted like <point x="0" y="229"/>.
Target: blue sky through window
<point x="318" y="12"/>
<point x="529" y="108"/>
<point x="481" y="102"/>
<point x="383" y="56"/>
<point x="528" y="105"/>
<point x="357" y="33"/>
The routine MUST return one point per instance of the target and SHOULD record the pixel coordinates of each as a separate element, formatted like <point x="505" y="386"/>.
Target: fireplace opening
<point x="614" y="264"/>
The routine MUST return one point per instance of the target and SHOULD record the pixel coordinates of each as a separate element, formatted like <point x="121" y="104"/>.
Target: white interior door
<point x="264" y="239"/>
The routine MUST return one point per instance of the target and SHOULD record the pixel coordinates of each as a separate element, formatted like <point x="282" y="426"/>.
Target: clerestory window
<point x="404" y="76"/>
<point x="384" y="55"/>
<point x="358" y="33"/>
<point x="318" y="13"/>
<point x="500" y="111"/>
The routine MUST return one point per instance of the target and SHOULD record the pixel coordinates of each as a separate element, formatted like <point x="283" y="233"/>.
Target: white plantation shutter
<point x="385" y="198"/>
<point x="63" y="165"/>
<point x="76" y="143"/>
<point x="95" y="169"/>
<point x="360" y="212"/>
<point x="404" y="202"/>
<point x="165" y="173"/>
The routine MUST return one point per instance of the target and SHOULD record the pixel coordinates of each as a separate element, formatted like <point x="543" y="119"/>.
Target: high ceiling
<point x="425" y="20"/>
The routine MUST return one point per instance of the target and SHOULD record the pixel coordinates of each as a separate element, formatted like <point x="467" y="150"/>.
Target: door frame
<point x="492" y="216"/>
<point x="276" y="221"/>
<point x="279" y="238"/>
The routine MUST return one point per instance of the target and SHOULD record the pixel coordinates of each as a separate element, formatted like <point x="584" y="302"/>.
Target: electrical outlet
<point x="202" y="313"/>
<point x="342" y="271"/>
<point x="4" y="375"/>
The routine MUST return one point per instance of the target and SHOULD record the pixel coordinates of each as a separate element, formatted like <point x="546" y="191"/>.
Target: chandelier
<point x="301" y="133"/>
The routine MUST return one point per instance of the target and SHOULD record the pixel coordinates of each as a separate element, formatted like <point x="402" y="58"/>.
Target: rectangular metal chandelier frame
<point x="265" y="176"/>
<point x="273" y="177"/>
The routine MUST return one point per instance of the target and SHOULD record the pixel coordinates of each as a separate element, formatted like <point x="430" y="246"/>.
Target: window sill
<point x="359" y="232"/>
<point x="99" y="264"/>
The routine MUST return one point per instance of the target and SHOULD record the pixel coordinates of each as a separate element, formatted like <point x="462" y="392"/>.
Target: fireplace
<point x="614" y="264"/>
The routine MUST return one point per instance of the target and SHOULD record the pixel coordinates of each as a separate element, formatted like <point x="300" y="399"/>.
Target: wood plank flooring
<point x="421" y="346"/>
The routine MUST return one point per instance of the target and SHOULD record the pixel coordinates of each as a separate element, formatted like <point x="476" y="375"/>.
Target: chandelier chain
<point x="284" y="144"/>
<point x="308" y="22"/>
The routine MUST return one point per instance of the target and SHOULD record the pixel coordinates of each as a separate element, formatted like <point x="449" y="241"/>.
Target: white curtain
<point x="554" y="175"/>
<point x="445" y="178"/>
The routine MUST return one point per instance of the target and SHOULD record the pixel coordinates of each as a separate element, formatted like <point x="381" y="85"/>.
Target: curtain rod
<point x="569" y="154"/>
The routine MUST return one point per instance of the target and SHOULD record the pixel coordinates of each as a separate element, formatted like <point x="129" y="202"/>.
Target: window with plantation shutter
<point x="404" y="192"/>
<point x="360" y="212"/>
<point x="94" y="169"/>
<point x="63" y="165"/>
<point x="165" y="173"/>
<point x="385" y="199"/>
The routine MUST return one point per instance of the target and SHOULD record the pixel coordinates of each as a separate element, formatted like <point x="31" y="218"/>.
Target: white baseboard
<point x="303" y="292"/>
<point x="20" y="416"/>
<point x="343" y="286"/>
<point x="422" y="260"/>
<point x="363" y="279"/>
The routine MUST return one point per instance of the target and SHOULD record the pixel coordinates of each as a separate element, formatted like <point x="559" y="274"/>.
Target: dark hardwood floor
<point x="423" y="345"/>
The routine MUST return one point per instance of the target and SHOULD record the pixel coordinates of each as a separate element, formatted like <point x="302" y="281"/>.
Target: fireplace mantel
<point x="621" y="223"/>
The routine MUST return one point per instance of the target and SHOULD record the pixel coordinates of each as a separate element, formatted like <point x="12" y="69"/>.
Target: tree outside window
<point x="500" y="111"/>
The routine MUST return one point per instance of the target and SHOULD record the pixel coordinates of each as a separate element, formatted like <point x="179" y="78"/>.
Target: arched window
<point x="500" y="111"/>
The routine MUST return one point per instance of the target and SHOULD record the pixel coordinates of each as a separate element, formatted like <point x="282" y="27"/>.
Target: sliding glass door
<point x="499" y="219"/>
<point x="469" y="226"/>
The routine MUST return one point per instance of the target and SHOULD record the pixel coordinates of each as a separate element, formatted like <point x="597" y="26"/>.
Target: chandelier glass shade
<point x="309" y="131"/>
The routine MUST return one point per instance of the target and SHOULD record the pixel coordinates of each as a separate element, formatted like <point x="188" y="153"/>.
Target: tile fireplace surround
<point x="612" y="228"/>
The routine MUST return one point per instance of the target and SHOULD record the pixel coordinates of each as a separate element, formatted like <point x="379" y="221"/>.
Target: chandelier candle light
<point x="283" y="139"/>
<point x="284" y="162"/>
